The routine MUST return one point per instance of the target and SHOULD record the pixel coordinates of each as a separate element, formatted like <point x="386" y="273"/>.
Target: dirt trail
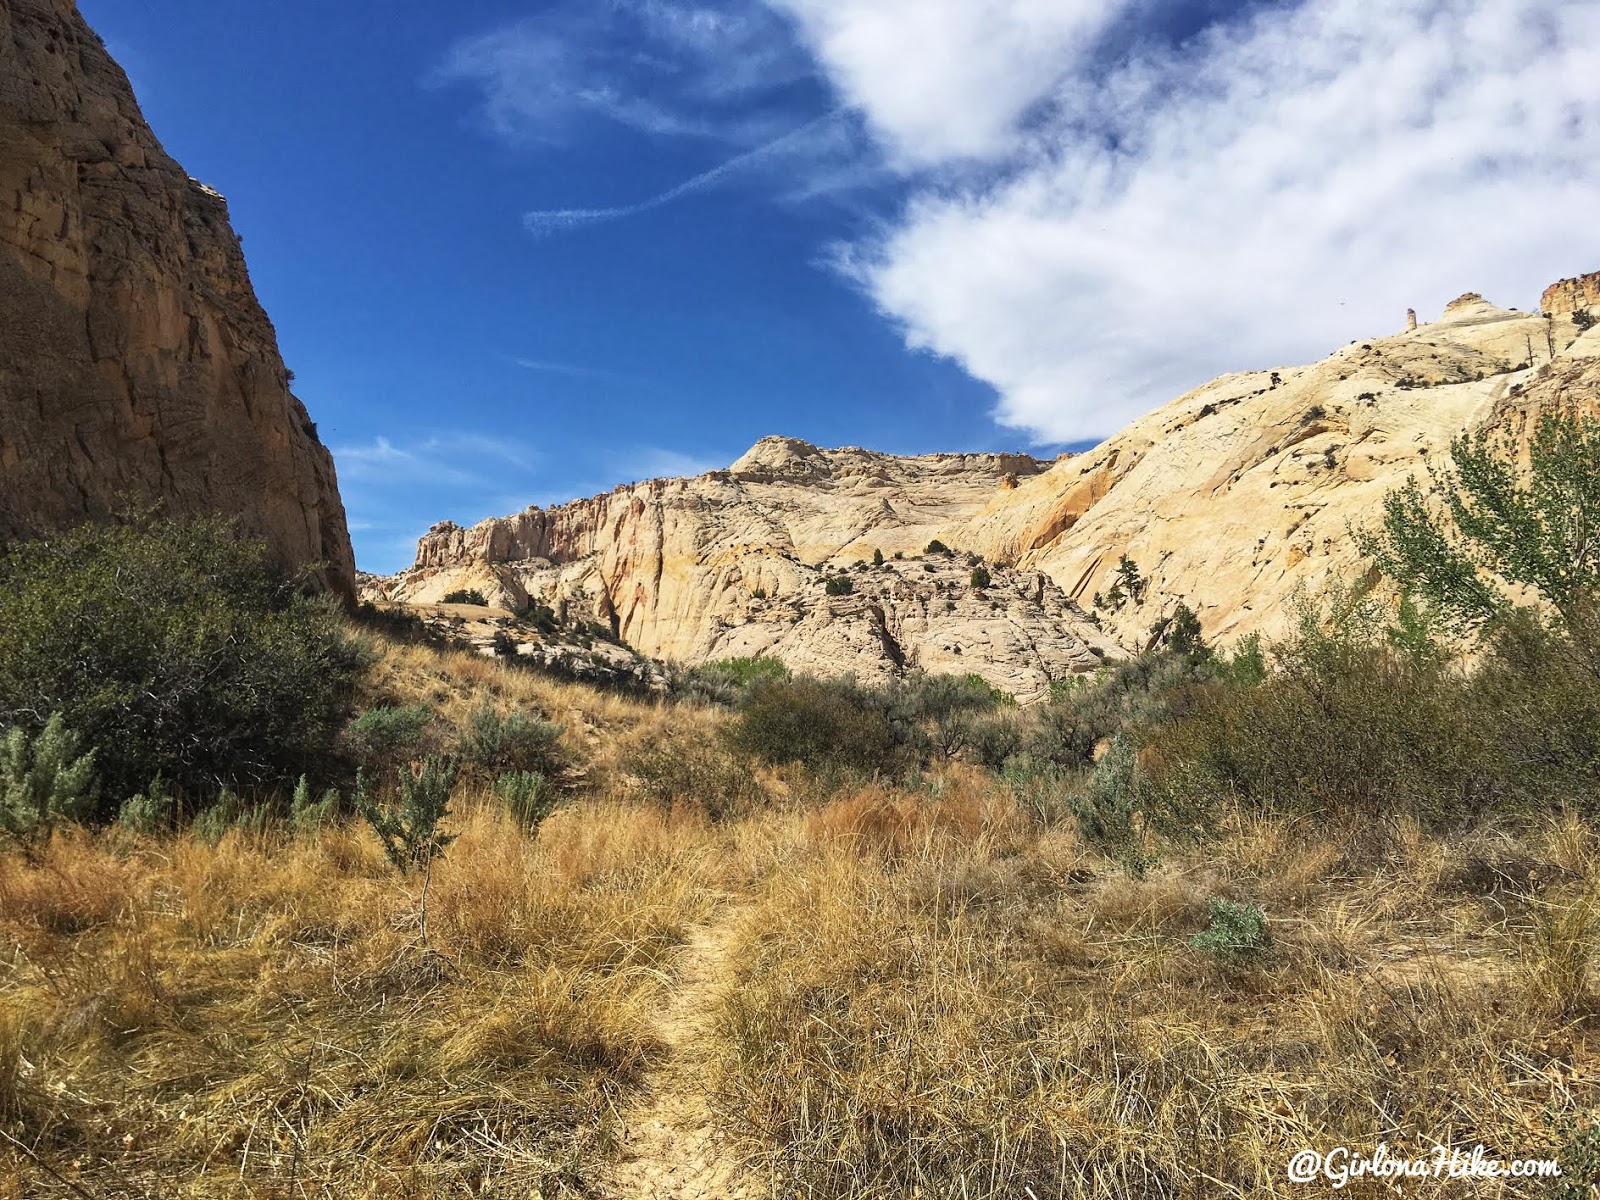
<point x="670" y="1150"/>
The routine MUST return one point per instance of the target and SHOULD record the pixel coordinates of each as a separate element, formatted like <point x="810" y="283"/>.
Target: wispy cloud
<point x="718" y="70"/>
<point x="543" y="222"/>
<point x="724" y="72"/>
<point x="656" y="462"/>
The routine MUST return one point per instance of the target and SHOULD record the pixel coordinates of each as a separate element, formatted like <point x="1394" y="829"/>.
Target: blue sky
<point x="518" y="253"/>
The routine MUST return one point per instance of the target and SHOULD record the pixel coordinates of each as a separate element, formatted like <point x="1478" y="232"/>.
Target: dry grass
<point x="926" y="993"/>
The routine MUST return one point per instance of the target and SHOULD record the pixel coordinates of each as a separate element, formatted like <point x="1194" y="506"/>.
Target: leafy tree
<point x="176" y="649"/>
<point x="466" y="596"/>
<point x="1490" y="525"/>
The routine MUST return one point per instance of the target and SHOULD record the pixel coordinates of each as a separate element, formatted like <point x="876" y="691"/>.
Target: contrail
<point x="544" y="222"/>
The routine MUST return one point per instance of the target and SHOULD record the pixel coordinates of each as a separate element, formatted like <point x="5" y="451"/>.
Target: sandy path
<point x="669" y="1149"/>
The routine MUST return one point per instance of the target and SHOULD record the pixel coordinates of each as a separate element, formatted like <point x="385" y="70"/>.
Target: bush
<point x="724" y="681"/>
<point x="980" y="578"/>
<point x="939" y="712"/>
<point x="1237" y="932"/>
<point x="173" y="649"/>
<point x="498" y="745"/>
<point x="386" y="736"/>
<point x="466" y="596"/>
<point x="1584" y="320"/>
<point x="827" y="725"/>
<point x="44" y="781"/>
<point x="1345" y="726"/>
<point x="683" y="766"/>
<point x="151" y="811"/>
<point x="528" y="797"/>
<point x="409" y="828"/>
<point x="937" y="547"/>
<point x="839" y="585"/>
<point x="307" y="815"/>
<point x="1110" y="812"/>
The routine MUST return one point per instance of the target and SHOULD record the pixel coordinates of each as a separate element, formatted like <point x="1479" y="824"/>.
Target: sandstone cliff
<point x="1570" y="295"/>
<point x="750" y="561"/>
<point x="135" y="361"/>
<point x="1229" y="499"/>
<point x="1233" y="496"/>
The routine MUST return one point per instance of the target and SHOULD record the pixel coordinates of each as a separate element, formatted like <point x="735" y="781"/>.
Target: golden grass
<point x="924" y="993"/>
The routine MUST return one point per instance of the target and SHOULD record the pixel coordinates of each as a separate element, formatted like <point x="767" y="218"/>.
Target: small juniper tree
<point x="409" y="828"/>
<point x="44" y="781"/>
<point x="980" y="578"/>
<point x="1490" y="525"/>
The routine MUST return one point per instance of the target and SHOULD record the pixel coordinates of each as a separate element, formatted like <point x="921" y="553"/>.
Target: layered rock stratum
<point x="778" y="556"/>
<point x="136" y="364"/>
<point x="1231" y="499"/>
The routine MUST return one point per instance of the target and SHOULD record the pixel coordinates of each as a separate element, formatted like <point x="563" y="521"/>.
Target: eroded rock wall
<point x="136" y="363"/>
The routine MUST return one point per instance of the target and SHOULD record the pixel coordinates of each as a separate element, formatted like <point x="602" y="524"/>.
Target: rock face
<point x="135" y="361"/>
<point x="776" y="556"/>
<point x="1236" y="495"/>
<point x="1230" y="499"/>
<point x="1570" y="295"/>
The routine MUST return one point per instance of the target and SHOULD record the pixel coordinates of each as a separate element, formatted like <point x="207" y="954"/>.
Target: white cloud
<point x="1274" y="189"/>
<point x="941" y="80"/>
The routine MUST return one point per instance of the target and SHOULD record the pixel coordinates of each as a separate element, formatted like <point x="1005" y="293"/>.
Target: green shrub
<point x="1247" y="665"/>
<point x="151" y="811"/>
<point x="995" y="738"/>
<point x="1046" y="791"/>
<point x="1111" y="811"/>
<point x="1344" y="726"/>
<point x="44" y="780"/>
<point x="980" y="578"/>
<point x="409" y="827"/>
<point x="939" y="713"/>
<point x="230" y="811"/>
<point x="528" y="797"/>
<point x="387" y="736"/>
<point x="839" y="585"/>
<point x="685" y="767"/>
<point x="307" y="815"/>
<point x="497" y="745"/>
<point x="826" y="725"/>
<point x="877" y="558"/>
<point x="1237" y="932"/>
<point x="466" y="596"/>
<point x="1583" y="319"/>
<point x="173" y="649"/>
<point x="937" y="547"/>
<point x="1490" y="526"/>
